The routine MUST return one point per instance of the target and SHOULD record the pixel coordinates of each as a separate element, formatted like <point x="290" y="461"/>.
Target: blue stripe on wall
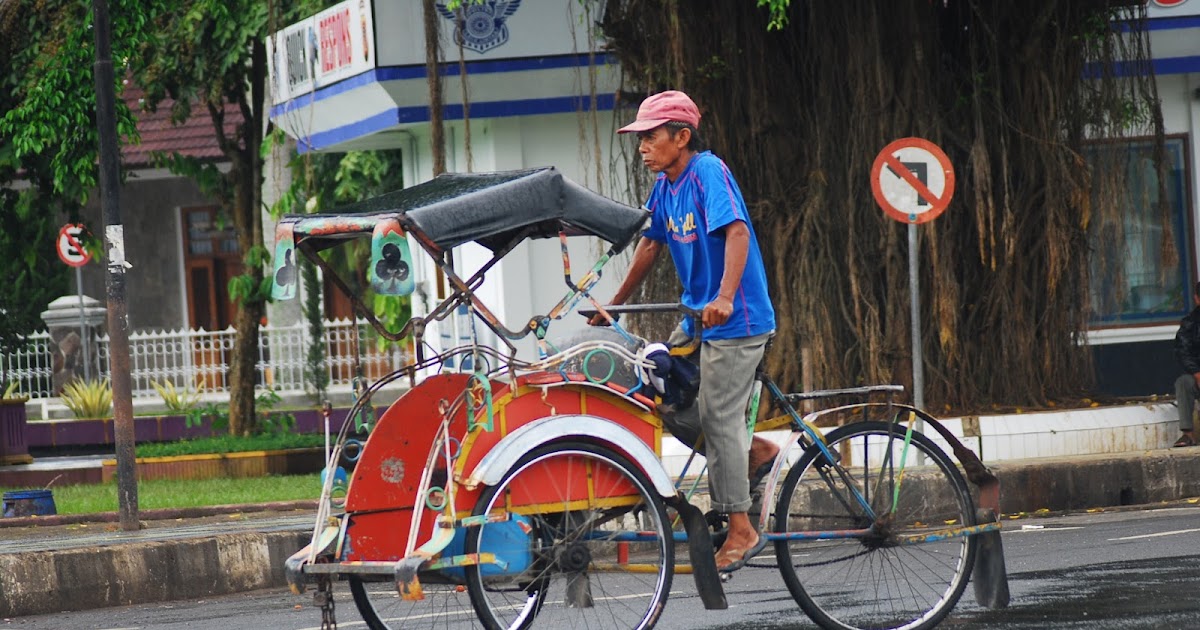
<point x="1165" y="23"/>
<point x="1168" y="65"/>
<point x="1173" y="23"/>
<point x="401" y="73"/>
<point x="494" y="109"/>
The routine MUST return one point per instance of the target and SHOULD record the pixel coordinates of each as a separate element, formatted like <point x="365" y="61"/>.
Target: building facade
<point x="1144" y="265"/>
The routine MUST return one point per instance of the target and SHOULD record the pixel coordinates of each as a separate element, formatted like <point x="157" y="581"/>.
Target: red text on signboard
<point x="334" y="32"/>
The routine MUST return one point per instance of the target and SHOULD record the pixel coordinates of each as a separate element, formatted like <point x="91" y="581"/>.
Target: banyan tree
<point x="1015" y="92"/>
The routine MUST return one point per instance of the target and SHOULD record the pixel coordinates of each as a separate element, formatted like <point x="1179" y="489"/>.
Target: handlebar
<point x="694" y="314"/>
<point x="645" y="308"/>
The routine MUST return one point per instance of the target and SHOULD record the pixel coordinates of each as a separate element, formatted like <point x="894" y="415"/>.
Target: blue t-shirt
<point x="689" y="216"/>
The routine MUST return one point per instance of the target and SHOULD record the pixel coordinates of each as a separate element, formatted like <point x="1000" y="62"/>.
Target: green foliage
<point x="271" y="422"/>
<point x="198" y="54"/>
<point x="395" y="312"/>
<point x="207" y="174"/>
<point x="88" y="399"/>
<point x="33" y="274"/>
<point x="778" y="12"/>
<point x="246" y="289"/>
<point x="11" y="390"/>
<point x="178" y="401"/>
<point x="218" y="413"/>
<point x="315" y="375"/>
<point x="52" y="118"/>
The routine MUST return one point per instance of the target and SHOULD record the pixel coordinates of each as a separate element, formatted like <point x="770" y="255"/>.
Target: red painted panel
<point x="381" y="536"/>
<point x="388" y="474"/>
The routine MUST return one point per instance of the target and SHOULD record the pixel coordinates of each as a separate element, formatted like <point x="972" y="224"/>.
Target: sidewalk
<point x="52" y="564"/>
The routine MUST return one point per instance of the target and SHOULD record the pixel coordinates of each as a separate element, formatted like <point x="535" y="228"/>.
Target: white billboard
<point x="333" y="45"/>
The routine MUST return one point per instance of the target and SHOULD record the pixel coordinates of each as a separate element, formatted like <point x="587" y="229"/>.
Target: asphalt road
<point x="1127" y="569"/>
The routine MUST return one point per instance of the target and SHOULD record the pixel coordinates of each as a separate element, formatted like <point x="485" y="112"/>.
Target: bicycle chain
<point x="323" y="597"/>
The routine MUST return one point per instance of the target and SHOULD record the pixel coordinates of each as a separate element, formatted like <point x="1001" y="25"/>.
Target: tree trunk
<point x="246" y="176"/>
<point x="242" y="378"/>
<point x="242" y="420"/>
<point x="799" y="116"/>
<point x="437" y="137"/>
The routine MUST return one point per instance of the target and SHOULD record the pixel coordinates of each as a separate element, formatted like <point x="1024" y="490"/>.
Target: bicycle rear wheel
<point x="595" y="536"/>
<point x="894" y="577"/>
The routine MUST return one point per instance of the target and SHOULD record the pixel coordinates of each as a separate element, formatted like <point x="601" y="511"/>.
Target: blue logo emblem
<point x="482" y="26"/>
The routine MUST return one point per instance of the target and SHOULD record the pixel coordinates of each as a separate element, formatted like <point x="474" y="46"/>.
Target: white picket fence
<point x="198" y="359"/>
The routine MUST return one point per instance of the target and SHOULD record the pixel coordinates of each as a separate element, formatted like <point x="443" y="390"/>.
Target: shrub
<point x="88" y="399"/>
<point x="229" y="444"/>
<point x="178" y="401"/>
<point x="218" y="413"/>
<point x="271" y="422"/>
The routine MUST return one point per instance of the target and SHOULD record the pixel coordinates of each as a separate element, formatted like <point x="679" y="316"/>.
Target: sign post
<point x="70" y="250"/>
<point x="913" y="181"/>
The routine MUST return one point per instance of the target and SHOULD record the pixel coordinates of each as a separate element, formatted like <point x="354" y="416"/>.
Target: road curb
<point x="137" y="573"/>
<point x="1097" y="481"/>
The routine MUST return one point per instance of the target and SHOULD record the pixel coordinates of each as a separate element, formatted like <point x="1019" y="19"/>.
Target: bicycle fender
<point x="990" y="576"/>
<point x="976" y="471"/>
<point x="505" y="454"/>
<point x="700" y="549"/>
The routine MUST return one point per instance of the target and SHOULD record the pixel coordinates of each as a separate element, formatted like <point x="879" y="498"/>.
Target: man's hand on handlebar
<point x="717" y="312"/>
<point x="599" y="320"/>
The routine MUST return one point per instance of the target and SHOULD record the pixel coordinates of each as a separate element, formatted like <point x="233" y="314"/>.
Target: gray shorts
<point x="727" y="369"/>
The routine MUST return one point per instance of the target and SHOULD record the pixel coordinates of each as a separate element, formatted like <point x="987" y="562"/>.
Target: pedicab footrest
<point x="465" y="560"/>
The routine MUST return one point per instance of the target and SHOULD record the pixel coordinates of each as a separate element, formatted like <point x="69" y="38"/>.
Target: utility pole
<point x="114" y="241"/>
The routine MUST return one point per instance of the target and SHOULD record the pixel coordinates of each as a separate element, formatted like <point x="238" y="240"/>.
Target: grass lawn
<point x="178" y="493"/>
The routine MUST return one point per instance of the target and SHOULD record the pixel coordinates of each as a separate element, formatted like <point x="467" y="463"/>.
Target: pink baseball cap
<point x="663" y="108"/>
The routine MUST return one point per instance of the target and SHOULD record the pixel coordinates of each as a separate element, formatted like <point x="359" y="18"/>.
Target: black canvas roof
<point x="488" y="208"/>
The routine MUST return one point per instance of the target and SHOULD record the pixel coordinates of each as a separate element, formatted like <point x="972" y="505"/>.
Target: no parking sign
<point x="913" y="180"/>
<point x="70" y="245"/>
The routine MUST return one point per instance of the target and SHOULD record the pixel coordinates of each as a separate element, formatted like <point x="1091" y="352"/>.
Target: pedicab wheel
<point x="592" y="530"/>
<point x="444" y="606"/>
<point x="899" y="576"/>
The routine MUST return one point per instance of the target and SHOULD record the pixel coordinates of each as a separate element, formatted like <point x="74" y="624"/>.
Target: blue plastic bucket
<point x="507" y="539"/>
<point x="29" y="503"/>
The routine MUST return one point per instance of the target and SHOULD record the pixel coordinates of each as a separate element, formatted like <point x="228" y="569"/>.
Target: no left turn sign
<point x="912" y="180"/>
<point x="70" y="245"/>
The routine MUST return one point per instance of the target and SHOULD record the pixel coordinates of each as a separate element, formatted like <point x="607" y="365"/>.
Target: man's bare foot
<point x="762" y="452"/>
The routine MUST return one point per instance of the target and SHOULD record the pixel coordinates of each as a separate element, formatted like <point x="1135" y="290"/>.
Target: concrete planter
<point x="13" y="421"/>
<point x="224" y="465"/>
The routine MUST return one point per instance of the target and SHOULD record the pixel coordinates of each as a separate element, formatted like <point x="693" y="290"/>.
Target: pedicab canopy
<point x="494" y="209"/>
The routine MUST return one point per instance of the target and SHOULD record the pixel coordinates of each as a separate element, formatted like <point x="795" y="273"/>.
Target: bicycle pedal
<point x="726" y="577"/>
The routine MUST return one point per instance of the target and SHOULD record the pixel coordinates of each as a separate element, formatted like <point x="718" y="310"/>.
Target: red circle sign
<point x="70" y="245"/>
<point x="912" y="180"/>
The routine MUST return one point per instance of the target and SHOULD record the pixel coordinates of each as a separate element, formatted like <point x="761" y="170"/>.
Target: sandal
<point x="737" y="558"/>
<point x="1185" y="440"/>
